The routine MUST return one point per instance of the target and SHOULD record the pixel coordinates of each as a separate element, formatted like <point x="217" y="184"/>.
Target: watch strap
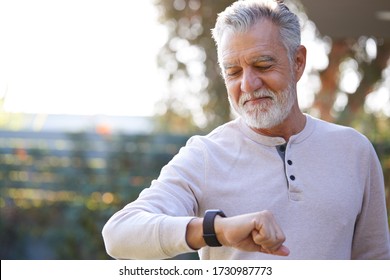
<point x="209" y="235"/>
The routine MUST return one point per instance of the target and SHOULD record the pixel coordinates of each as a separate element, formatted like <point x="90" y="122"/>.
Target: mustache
<point x="256" y="94"/>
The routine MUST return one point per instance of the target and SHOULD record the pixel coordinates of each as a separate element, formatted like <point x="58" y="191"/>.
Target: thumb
<point x="282" y="251"/>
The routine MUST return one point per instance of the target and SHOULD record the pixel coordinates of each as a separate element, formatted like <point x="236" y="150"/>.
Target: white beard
<point x="265" y="115"/>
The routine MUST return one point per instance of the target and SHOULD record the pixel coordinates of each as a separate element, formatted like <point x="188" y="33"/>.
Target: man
<point x="290" y="186"/>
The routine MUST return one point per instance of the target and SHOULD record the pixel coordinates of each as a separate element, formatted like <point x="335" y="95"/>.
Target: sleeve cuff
<point x="173" y="242"/>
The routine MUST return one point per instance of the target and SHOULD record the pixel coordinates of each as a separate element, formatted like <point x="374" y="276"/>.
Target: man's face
<point x="258" y="75"/>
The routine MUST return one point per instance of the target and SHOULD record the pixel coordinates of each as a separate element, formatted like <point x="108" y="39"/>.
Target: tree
<point x="197" y="95"/>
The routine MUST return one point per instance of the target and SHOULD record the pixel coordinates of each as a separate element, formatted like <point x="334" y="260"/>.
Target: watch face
<point x="215" y="212"/>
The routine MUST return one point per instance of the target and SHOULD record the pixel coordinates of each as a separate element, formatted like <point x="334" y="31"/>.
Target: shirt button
<point x="289" y="162"/>
<point x="292" y="177"/>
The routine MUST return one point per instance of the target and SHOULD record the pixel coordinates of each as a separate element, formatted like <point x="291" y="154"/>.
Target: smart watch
<point x="209" y="235"/>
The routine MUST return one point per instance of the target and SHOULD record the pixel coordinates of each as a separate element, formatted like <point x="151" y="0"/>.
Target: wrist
<point x="194" y="234"/>
<point x="218" y="227"/>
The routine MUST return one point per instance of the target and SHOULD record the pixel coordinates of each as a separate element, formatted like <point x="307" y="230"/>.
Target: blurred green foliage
<point x="58" y="190"/>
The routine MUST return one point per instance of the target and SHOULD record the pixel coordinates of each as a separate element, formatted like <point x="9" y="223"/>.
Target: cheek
<point x="233" y="91"/>
<point x="278" y="81"/>
<point x="233" y="88"/>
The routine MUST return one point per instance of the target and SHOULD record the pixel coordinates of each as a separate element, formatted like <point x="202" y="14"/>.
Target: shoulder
<point x="338" y="133"/>
<point x="343" y="142"/>
<point x="198" y="146"/>
<point x="343" y="138"/>
<point x="222" y="135"/>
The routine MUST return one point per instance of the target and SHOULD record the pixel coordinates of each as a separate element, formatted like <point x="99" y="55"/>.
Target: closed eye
<point x="263" y="67"/>
<point x="231" y="72"/>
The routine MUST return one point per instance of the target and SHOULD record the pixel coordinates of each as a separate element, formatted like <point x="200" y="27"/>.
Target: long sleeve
<point x="154" y="226"/>
<point x="371" y="239"/>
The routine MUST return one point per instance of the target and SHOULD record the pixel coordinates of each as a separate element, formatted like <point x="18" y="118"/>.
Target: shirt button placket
<point x="295" y="193"/>
<point x="290" y="163"/>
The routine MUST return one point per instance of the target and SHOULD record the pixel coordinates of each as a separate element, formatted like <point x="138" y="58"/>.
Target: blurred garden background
<point x="64" y="173"/>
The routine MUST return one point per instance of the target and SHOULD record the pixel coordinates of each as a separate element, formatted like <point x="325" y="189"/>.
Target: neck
<point x="293" y="124"/>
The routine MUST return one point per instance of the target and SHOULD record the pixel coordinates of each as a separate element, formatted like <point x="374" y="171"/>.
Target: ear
<point x="300" y="62"/>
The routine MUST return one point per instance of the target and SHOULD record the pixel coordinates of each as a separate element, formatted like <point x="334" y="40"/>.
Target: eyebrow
<point x="264" y="58"/>
<point x="227" y="65"/>
<point x="259" y="59"/>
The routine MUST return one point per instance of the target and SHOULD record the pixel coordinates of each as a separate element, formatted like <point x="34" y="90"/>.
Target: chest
<point x="304" y="181"/>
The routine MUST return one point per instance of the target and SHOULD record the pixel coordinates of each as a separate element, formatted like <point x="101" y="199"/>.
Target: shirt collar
<point x="276" y="141"/>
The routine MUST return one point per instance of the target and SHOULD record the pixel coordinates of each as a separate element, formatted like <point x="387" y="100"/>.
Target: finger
<point x="270" y="242"/>
<point x="260" y="236"/>
<point x="281" y="251"/>
<point x="268" y="229"/>
<point x="268" y="237"/>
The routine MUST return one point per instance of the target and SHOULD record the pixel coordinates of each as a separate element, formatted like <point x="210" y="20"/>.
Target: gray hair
<point x="242" y="15"/>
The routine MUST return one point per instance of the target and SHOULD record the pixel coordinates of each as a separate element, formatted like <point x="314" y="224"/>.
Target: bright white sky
<point x="80" y="56"/>
<point x="97" y="57"/>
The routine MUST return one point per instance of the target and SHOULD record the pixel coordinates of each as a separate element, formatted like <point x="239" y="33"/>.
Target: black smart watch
<point x="209" y="235"/>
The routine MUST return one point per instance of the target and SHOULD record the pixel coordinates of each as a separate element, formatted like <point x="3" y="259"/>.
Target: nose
<point x="250" y="81"/>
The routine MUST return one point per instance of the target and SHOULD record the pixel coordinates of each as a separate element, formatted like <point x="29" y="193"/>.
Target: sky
<point x="98" y="57"/>
<point x="80" y="56"/>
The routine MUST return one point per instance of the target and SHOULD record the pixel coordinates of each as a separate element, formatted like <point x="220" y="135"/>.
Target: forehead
<point x="262" y="39"/>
